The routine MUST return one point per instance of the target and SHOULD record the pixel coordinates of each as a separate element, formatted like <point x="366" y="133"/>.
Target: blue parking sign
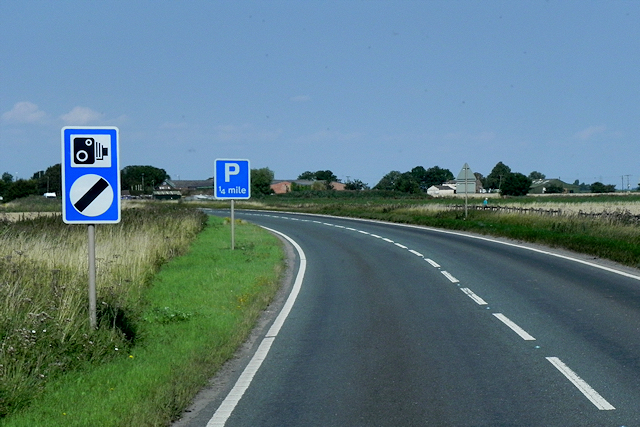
<point x="232" y="179"/>
<point x="90" y="175"/>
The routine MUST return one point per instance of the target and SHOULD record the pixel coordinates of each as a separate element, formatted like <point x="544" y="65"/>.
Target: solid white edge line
<point x="226" y="408"/>
<point x="595" y="398"/>
<point x="473" y="296"/>
<point x="515" y="328"/>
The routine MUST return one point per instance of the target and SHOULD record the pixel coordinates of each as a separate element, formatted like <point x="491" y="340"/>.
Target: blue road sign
<point x="232" y="179"/>
<point x="90" y="175"/>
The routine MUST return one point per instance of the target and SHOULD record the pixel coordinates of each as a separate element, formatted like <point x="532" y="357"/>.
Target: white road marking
<point x="473" y="296"/>
<point x="432" y="262"/>
<point x="350" y="229"/>
<point x="416" y="253"/>
<point x="387" y="240"/>
<point x="376" y="236"/>
<point x="363" y="232"/>
<point x="450" y="277"/>
<point x="400" y="246"/>
<point x="581" y="385"/>
<point x="225" y="409"/>
<point x="515" y="328"/>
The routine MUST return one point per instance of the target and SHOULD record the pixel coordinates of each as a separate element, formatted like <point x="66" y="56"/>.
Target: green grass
<point x="198" y="310"/>
<point x="616" y="238"/>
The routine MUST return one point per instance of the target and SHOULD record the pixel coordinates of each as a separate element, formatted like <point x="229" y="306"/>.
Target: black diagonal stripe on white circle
<point x="91" y="195"/>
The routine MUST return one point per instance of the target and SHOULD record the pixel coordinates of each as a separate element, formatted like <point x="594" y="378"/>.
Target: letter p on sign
<point x="230" y="169"/>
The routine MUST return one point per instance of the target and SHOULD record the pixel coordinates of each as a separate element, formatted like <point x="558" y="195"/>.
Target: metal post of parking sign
<point x="232" y="180"/>
<point x="90" y="186"/>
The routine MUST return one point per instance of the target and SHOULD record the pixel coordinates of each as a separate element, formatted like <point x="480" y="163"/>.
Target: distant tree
<point x="407" y="183"/>
<point x="536" y="175"/>
<point x="133" y="176"/>
<point x="327" y="176"/>
<point x="318" y="186"/>
<point x="497" y="176"/>
<point x="554" y="189"/>
<point x="356" y="184"/>
<point x="432" y="176"/>
<point x="584" y="188"/>
<point x="7" y="178"/>
<point x="516" y="184"/>
<point x="421" y="176"/>
<point x="21" y="188"/>
<point x="49" y="181"/>
<point x="388" y="182"/>
<point x="437" y="176"/>
<point x="3" y="189"/>
<point x="261" y="180"/>
<point x="598" y="187"/>
<point x="308" y="175"/>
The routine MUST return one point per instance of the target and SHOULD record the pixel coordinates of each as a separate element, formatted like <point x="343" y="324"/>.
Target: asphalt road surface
<point x="407" y="326"/>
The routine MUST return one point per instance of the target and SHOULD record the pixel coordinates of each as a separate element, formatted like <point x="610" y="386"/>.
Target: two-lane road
<point x="407" y="326"/>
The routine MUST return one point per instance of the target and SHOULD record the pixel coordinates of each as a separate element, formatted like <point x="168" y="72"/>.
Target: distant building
<point x="441" y="190"/>
<point x="550" y="186"/>
<point x="172" y="190"/>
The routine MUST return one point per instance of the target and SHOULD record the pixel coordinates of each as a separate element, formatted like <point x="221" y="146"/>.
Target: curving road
<point x="408" y="326"/>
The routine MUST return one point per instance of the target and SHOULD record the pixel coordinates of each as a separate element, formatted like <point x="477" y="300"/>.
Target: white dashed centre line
<point x="515" y="328"/>
<point x="416" y="253"/>
<point x="450" y="277"/>
<point x="432" y="262"/>
<point x="473" y="296"/>
<point x="581" y="385"/>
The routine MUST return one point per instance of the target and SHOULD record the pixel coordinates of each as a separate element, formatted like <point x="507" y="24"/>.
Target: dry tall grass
<point x="44" y="323"/>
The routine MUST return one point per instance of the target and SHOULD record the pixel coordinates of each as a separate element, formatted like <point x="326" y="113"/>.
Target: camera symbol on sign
<point x="91" y="152"/>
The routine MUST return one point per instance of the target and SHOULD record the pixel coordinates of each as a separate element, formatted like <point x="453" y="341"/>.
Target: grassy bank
<point x="187" y="320"/>
<point x="614" y="236"/>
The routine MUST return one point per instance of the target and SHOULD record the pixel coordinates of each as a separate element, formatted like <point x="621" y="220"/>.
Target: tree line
<point x="143" y="179"/>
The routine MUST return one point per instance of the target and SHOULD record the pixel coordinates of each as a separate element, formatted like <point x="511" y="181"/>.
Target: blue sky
<point x="358" y="87"/>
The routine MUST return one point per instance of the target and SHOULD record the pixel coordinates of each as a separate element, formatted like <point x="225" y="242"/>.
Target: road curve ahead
<point x="408" y="326"/>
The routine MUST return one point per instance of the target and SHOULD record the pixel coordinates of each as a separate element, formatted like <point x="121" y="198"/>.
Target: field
<point x="604" y="226"/>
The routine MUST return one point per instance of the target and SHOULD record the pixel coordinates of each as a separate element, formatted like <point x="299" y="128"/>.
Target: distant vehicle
<point x="50" y="195"/>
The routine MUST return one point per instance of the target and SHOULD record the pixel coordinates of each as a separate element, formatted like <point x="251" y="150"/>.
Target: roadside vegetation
<point x="175" y="303"/>
<point x="604" y="226"/>
<point x="163" y="328"/>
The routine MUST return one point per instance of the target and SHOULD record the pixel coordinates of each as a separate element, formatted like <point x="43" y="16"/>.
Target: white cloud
<point x="589" y="132"/>
<point x="81" y="116"/>
<point x="24" y="112"/>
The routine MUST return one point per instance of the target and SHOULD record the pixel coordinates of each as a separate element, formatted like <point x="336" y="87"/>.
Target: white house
<point x="441" y="191"/>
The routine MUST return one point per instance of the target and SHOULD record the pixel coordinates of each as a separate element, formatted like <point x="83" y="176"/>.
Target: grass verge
<point x="614" y="237"/>
<point x="199" y="309"/>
